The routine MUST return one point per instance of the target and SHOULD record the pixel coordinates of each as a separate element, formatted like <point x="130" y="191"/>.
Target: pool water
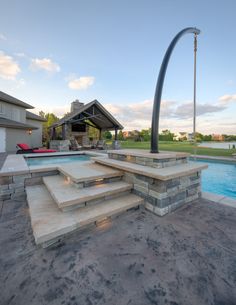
<point x="219" y="178"/>
<point x="56" y="159"/>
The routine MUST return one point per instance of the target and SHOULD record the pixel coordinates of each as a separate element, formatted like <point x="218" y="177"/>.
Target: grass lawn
<point x="182" y="147"/>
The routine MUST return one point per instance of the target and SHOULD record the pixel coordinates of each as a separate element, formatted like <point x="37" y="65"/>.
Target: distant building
<point x="217" y="137"/>
<point x="125" y="134"/>
<point x="184" y="136"/>
<point x="17" y="125"/>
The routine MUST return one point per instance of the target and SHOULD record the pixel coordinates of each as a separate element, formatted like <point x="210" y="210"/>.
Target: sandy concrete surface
<point x="187" y="257"/>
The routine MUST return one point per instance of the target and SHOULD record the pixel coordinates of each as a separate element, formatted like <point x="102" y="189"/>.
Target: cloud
<point x="172" y="114"/>
<point x="2" y="37"/>
<point x="44" y="64"/>
<point x="227" y="98"/>
<point x="8" y="67"/>
<point x="185" y="110"/>
<point x="20" y="54"/>
<point x="139" y="115"/>
<point x="81" y="83"/>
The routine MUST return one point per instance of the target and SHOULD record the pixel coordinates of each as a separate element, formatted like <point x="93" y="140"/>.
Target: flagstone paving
<point x="187" y="257"/>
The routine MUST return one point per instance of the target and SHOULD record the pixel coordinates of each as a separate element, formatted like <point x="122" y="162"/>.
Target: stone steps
<point x="49" y="223"/>
<point x="88" y="172"/>
<point x="163" y="174"/>
<point x="68" y="196"/>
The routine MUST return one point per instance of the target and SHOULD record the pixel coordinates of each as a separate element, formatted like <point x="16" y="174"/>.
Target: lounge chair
<point x="101" y="144"/>
<point x="25" y="149"/>
<point x="74" y="144"/>
<point x="86" y="144"/>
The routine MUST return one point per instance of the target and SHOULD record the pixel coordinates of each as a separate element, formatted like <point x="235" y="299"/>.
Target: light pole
<point x="159" y="86"/>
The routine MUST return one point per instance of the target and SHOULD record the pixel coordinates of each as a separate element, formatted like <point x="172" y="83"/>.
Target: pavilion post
<point x="116" y="130"/>
<point x="53" y="133"/>
<point x="63" y="131"/>
<point x="100" y="134"/>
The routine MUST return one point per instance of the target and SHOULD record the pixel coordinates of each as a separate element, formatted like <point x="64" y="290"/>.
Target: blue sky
<point x="53" y="52"/>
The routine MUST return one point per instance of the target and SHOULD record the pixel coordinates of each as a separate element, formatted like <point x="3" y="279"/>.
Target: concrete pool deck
<point x="187" y="257"/>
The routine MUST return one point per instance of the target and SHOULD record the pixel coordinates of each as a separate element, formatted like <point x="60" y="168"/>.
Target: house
<point x="131" y="134"/>
<point x="183" y="136"/>
<point x="18" y="125"/>
<point x="76" y="124"/>
<point x="217" y="137"/>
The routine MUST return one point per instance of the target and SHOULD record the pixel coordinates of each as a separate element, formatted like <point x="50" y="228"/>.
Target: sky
<point x="53" y="52"/>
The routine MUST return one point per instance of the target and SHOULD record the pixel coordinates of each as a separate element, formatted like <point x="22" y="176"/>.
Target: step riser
<point x="94" y="201"/>
<point x="67" y="196"/>
<point x="82" y="202"/>
<point x="49" y="224"/>
<point x="80" y="185"/>
<point x="92" y="224"/>
<point x="84" y="180"/>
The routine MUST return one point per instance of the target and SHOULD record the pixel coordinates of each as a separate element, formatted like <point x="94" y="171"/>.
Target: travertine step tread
<point x="165" y="173"/>
<point x="66" y="194"/>
<point x="88" y="171"/>
<point x="48" y="222"/>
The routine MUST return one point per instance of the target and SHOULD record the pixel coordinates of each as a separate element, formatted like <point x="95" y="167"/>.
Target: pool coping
<point x="221" y="199"/>
<point x="214" y="158"/>
<point x="15" y="164"/>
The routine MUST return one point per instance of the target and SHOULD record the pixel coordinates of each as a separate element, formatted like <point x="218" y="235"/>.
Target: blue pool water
<point x="219" y="178"/>
<point x="56" y="159"/>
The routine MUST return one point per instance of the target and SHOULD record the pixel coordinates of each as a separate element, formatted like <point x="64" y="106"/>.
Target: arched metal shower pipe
<point x="159" y="86"/>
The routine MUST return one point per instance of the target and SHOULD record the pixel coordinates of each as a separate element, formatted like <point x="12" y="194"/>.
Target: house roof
<point x="13" y="124"/>
<point x="95" y="113"/>
<point x="33" y="116"/>
<point x="12" y="100"/>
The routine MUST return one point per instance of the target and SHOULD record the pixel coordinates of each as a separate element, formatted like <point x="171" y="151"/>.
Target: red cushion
<point x="43" y="150"/>
<point x="23" y="146"/>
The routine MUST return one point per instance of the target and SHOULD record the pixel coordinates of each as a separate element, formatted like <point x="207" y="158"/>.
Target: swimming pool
<point x="50" y="160"/>
<point x="219" y="178"/>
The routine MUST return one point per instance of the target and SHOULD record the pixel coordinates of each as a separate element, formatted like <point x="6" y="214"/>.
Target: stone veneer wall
<point x="152" y="162"/>
<point x="162" y="197"/>
<point x="13" y="187"/>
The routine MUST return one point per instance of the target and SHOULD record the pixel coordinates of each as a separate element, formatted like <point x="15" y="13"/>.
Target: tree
<point x="145" y="134"/>
<point x="166" y="135"/>
<point x="93" y="133"/>
<point x="107" y="135"/>
<point x="199" y="137"/>
<point x="120" y="136"/>
<point x="51" y="119"/>
<point x="207" y="138"/>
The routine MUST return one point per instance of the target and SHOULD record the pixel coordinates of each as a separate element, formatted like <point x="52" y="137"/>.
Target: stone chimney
<point x="76" y="105"/>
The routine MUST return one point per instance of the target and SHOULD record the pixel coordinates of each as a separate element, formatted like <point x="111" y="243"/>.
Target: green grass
<point x="181" y="147"/>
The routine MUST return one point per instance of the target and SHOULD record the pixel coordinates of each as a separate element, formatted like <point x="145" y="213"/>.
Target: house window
<point x="1" y="108"/>
<point x="15" y="114"/>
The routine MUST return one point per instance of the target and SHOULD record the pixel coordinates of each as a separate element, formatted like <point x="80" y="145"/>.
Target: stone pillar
<point x="116" y="130"/>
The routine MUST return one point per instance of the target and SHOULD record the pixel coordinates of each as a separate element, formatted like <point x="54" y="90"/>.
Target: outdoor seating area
<point x="25" y="149"/>
<point x="95" y="144"/>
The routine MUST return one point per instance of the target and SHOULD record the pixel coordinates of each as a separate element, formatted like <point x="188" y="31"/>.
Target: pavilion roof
<point x="95" y="113"/>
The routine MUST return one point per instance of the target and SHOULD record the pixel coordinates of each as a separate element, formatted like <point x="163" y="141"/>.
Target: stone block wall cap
<point x="164" y="174"/>
<point x="146" y="154"/>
